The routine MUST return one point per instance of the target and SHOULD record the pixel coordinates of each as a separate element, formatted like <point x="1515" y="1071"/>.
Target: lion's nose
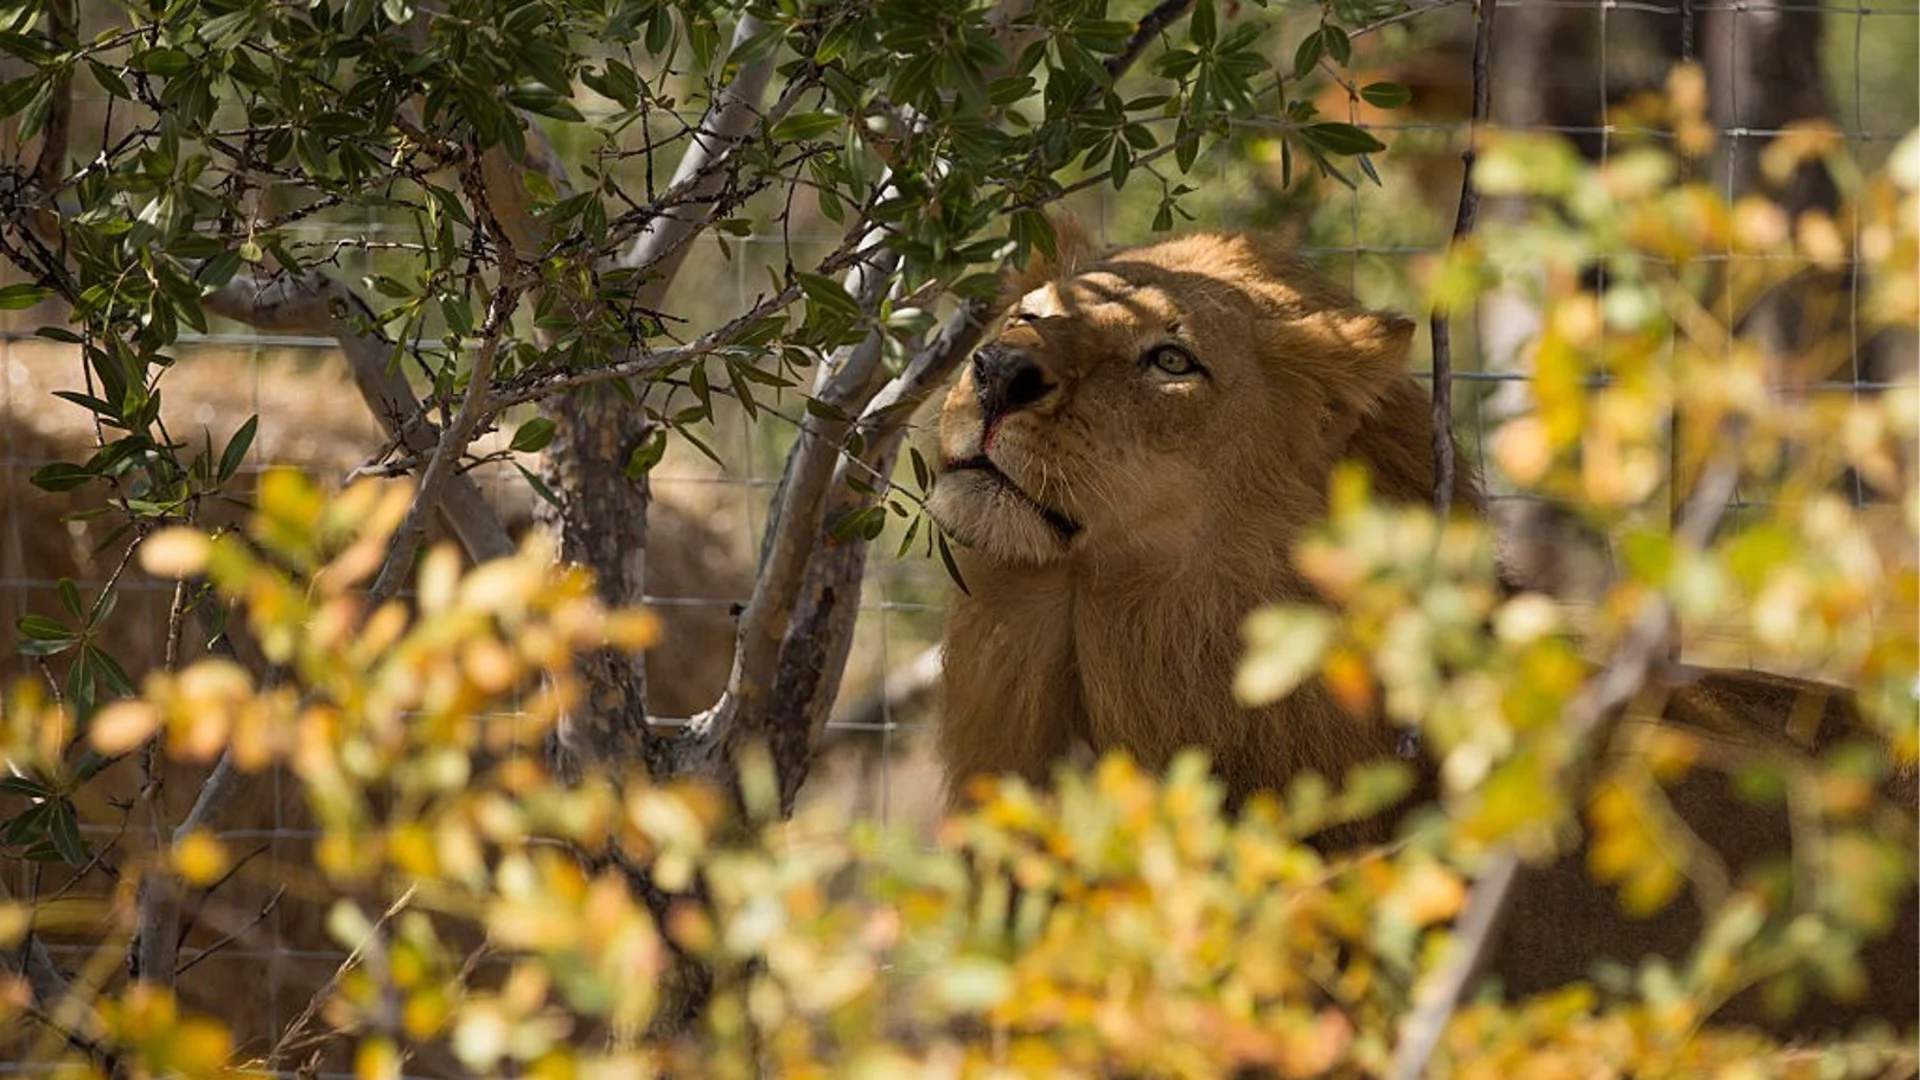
<point x="1008" y="380"/>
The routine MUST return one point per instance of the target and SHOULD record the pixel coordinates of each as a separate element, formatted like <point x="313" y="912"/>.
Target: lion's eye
<point x="1174" y="360"/>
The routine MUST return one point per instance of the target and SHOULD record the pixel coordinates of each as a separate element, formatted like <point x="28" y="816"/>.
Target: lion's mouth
<point x="1065" y="526"/>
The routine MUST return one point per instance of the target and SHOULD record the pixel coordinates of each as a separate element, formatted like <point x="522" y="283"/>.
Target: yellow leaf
<point x="175" y="553"/>
<point x="199" y="858"/>
<point x="1284" y="646"/>
<point x="122" y="726"/>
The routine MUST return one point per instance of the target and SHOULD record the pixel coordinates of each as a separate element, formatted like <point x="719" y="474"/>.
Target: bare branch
<point x="1597" y="704"/>
<point x="732" y="118"/>
<point x="1151" y="25"/>
<point x="259" y="917"/>
<point x="439" y="473"/>
<point x="63" y="27"/>
<point x="791" y="543"/>
<point x="316" y="304"/>
<point x="1463" y="221"/>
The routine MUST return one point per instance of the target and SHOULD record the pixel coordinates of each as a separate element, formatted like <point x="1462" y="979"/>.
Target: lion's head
<point x="1134" y="401"/>
<point x="1126" y="468"/>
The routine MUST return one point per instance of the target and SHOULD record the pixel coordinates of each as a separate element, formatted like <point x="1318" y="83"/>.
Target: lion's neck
<point x="1133" y="653"/>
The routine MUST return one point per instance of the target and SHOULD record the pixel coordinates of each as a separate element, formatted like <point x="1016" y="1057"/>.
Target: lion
<point x="1126" y="468"/>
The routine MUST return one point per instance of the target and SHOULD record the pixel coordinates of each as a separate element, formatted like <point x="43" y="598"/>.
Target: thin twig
<point x="259" y="917"/>
<point x="290" y="1038"/>
<point x="1463" y="221"/>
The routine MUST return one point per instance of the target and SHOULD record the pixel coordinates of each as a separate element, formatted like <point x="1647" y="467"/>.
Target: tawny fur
<point x="1188" y="492"/>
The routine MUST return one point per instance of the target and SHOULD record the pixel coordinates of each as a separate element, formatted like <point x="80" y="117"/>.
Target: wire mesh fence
<point x="1564" y="67"/>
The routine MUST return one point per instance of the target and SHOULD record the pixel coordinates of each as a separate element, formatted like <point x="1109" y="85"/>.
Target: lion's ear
<point x="1375" y="345"/>
<point x="1072" y="249"/>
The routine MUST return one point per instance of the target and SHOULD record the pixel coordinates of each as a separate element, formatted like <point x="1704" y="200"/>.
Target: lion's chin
<point x="982" y="509"/>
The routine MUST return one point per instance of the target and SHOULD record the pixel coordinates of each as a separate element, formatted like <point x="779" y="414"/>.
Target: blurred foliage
<point x="1647" y="377"/>
<point x="1119" y="924"/>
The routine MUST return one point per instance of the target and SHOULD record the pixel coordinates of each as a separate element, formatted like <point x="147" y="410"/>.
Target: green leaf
<point x="1338" y="47"/>
<point x="803" y="126"/>
<point x="24" y="295"/>
<point x="828" y="295"/>
<point x="103" y="607"/>
<point x="826" y="410"/>
<point x="922" y="475"/>
<point x="237" y="447"/>
<point x="646" y="455"/>
<point x="20" y="785"/>
<point x="64" y="831"/>
<point x="15" y="95"/>
<point x="865" y="522"/>
<point x="1386" y="95"/>
<point x="1203" y="25"/>
<point x="70" y="598"/>
<point x="1031" y="231"/>
<point x="1311" y="49"/>
<point x="540" y="487"/>
<point x="946" y="558"/>
<point x="532" y="435"/>
<point x="1342" y="139"/>
<point x="166" y="63"/>
<point x="42" y="628"/>
<point x="110" y="672"/>
<point x="60" y="476"/>
<point x="538" y="98"/>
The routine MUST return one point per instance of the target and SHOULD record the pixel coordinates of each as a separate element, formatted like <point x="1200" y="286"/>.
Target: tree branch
<point x="791" y="544"/>
<point x="1463" y="221"/>
<point x="1595" y="706"/>
<point x="733" y="117"/>
<point x="63" y="26"/>
<point x="1151" y="25"/>
<point x="453" y="443"/>
<point x="155" y="949"/>
<point x="316" y="304"/>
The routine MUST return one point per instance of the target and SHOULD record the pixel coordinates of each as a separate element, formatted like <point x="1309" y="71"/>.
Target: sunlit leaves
<point x="1284" y="646"/>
